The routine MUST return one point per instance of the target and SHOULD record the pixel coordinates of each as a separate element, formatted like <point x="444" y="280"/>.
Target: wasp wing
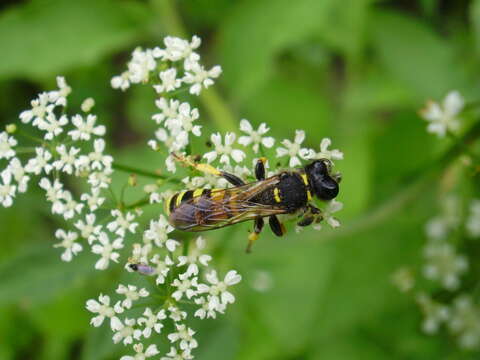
<point x="225" y="207"/>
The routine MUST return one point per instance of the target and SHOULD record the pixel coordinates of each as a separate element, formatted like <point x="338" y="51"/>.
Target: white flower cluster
<point x="182" y="276"/>
<point x="168" y="70"/>
<point x="71" y="146"/>
<point x="443" y="118"/>
<point x="444" y="266"/>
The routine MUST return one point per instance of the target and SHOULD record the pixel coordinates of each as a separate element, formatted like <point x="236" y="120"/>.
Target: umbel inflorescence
<point x="50" y="146"/>
<point x="444" y="284"/>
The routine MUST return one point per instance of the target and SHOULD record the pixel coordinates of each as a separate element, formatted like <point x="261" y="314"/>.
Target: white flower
<point x="140" y="355"/>
<point x="185" y="335"/>
<point x="40" y="162"/>
<point x="434" y="313"/>
<point x="104" y="310"/>
<point x="174" y="354"/>
<point x="224" y="151"/>
<point x="449" y="218"/>
<point x="68" y="242"/>
<point x="162" y="267"/>
<point x="6" y="145"/>
<point x="169" y="110"/>
<point x="121" y="81"/>
<point x="67" y="159"/>
<point x="403" y="279"/>
<point x="85" y="128"/>
<point x="205" y="311"/>
<point x="465" y="322"/>
<point x="444" y="264"/>
<point x="140" y="66"/>
<point x="100" y="179"/>
<point x="196" y="75"/>
<point x="122" y="223"/>
<point x="169" y="81"/>
<point x="178" y="49"/>
<point x="158" y="233"/>
<point x="262" y="281"/>
<point x="443" y="118"/>
<point x="185" y="286"/>
<point x="98" y="160"/>
<point x="193" y="257"/>
<point x="54" y="194"/>
<point x="70" y="205"/>
<point x="52" y="126"/>
<point x="58" y="97"/>
<point x="325" y="153"/>
<point x="176" y="314"/>
<point x="125" y="332"/>
<point x="40" y="108"/>
<point x="293" y="150"/>
<point x="87" y="104"/>
<point x="255" y="137"/>
<point x="184" y="119"/>
<point x="151" y="321"/>
<point x="173" y="142"/>
<point x="106" y="250"/>
<point x="473" y="220"/>
<point x="219" y="295"/>
<point x="18" y="172"/>
<point x="7" y="190"/>
<point x="131" y="294"/>
<point x="332" y="207"/>
<point x="88" y="229"/>
<point x="93" y="200"/>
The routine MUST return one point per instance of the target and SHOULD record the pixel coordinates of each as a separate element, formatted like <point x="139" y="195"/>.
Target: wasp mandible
<point x="287" y="192"/>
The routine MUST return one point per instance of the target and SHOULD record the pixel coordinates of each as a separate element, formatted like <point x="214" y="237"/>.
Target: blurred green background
<point x="353" y="70"/>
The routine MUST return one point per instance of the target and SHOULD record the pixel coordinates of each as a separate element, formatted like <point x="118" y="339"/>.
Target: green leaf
<point x="285" y="313"/>
<point x="38" y="275"/>
<point x="48" y="37"/>
<point x="283" y="102"/>
<point x="413" y="53"/>
<point x="257" y="31"/>
<point x="475" y="19"/>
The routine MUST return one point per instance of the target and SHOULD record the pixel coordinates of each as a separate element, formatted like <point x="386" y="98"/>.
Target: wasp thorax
<point x="323" y="185"/>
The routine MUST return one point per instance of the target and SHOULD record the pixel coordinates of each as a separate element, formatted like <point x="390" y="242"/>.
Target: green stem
<point x="218" y="110"/>
<point x="139" y="203"/>
<point x="133" y="170"/>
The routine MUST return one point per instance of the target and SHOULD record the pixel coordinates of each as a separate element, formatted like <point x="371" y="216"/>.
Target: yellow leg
<point x="251" y="239"/>
<point x="205" y="168"/>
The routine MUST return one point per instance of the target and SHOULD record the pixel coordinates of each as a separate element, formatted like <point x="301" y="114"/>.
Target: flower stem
<point x="134" y="170"/>
<point x="218" y="110"/>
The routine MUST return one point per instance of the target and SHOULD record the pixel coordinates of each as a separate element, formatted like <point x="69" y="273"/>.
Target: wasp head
<point x="322" y="183"/>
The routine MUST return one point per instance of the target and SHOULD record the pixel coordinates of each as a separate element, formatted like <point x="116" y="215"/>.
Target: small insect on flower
<point x="142" y="268"/>
<point x="288" y="192"/>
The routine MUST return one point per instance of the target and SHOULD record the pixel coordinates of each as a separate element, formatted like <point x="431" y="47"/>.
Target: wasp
<point x="287" y="192"/>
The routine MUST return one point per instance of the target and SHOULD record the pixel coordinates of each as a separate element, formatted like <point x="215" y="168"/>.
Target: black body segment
<point x="288" y="192"/>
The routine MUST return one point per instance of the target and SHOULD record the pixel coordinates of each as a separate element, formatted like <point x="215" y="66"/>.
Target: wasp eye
<point x="328" y="189"/>
<point x="324" y="186"/>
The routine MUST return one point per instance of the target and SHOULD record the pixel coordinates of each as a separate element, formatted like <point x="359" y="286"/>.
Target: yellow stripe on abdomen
<point x="276" y="195"/>
<point x="305" y="181"/>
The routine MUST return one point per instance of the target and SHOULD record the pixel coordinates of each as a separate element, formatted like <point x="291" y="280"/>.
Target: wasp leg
<point x="257" y="229"/>
<point x="260" y="168"/>
<point x="311" y="214"/>
<point x="313" y="210"/>
<point x="277" y="227"/>
<point x="209" y="169"/>
<point x="306" y="221"/>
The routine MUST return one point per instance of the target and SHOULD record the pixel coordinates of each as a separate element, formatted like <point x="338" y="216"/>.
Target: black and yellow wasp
<point x="287" y="192"/>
